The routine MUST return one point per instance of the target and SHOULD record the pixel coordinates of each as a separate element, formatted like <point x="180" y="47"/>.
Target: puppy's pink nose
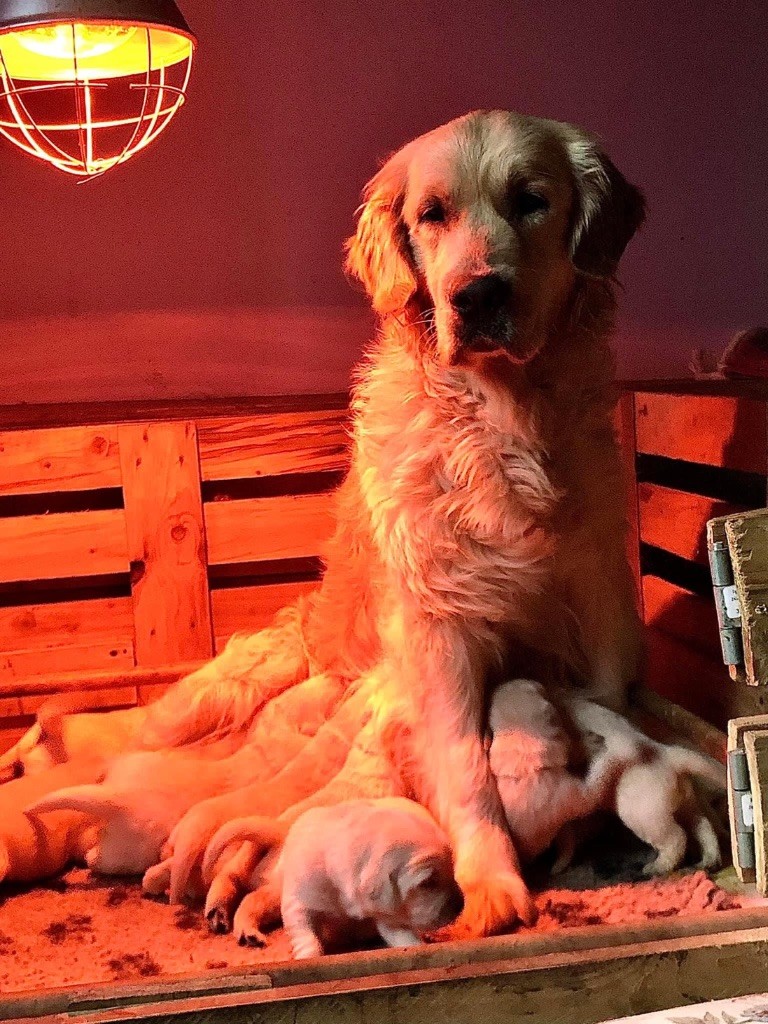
<point x="482" y="298"/>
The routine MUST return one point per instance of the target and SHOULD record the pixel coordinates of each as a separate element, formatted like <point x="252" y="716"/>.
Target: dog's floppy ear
<point x="378" y="888"/>
<point x="378" y="254"/>
<point x="608" y="209"/>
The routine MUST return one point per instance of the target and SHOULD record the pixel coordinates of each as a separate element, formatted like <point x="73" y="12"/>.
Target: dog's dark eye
<point x="527" y="203"/>
<point x="432" y="213"/>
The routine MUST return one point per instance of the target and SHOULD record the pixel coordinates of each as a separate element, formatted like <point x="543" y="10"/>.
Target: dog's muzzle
<point x="483" y="307"/>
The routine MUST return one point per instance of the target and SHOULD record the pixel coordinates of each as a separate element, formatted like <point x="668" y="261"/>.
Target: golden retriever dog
<point x="480" y="528"/>
<point x="361" y="866"/>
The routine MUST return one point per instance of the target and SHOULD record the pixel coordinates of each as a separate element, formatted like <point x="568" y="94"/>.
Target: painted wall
<point x="211" y="263"/>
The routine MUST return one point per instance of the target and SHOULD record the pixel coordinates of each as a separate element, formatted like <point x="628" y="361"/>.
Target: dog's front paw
<point x="492" y="906"/>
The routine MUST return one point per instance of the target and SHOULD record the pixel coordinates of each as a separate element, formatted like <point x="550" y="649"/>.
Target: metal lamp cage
<point x="86" y="125"/>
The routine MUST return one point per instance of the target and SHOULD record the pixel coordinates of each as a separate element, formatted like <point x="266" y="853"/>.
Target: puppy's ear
<point x="378" y="254"/>
<point x="423" y="870"/>
<point x="608" y="209"/>
<point x="378" y="886"/>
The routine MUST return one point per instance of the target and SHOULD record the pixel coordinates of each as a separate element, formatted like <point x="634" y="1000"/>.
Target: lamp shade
<point x="86" y="84"/>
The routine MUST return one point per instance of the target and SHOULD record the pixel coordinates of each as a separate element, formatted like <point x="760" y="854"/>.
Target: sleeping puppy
<point x="654" y="793"/>
<point x="532" y="756"/>
<point x="140" y="798"/>
<point x="349" y="871"/>
<point x="31" y="849"/>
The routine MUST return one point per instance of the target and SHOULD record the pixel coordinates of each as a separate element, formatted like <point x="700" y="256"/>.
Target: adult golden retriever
<point x="480" y="528"/>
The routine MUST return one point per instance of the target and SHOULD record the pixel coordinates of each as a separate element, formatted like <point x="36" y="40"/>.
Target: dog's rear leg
<point x="224" y="695"/>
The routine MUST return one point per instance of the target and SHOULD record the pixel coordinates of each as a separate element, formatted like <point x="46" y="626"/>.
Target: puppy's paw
<point x="219" y="919"/>
<point x="258" y="911"/>
<point x="157" y="880"/>
<point x="492" y="906"/>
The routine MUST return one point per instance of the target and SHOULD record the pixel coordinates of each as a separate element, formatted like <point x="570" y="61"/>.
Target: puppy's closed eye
<point x="527" y="203"/>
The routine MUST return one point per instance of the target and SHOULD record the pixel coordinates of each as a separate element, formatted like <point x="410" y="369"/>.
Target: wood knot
<point x="99" y="445"/>
<point x="179" y="532"/>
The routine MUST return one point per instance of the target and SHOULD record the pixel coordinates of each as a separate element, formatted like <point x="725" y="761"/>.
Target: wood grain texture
<point x="248" y="609"/>
<point x="682" y="615"/>
<point x="716" y="431"/>
<point x="273" y="445"/>
<point x="698" y="683"/>
<point x="756" y="747"/>
<point x="748" y="543"/>
<point x="33" y="416"/>
<point x="63" y="545"/>
<point x="677" y="521"/>
<point x="71" y="459"/>
<point x="581" y="986"/>
<point x="46" y="638"/>
<point x="624" y="425"/>
<point x="166" y="542"/>
<point x="260" y="529"/>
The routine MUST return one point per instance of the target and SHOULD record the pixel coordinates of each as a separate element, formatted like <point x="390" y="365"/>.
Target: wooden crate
<point x="133" y="541"/>
<point x="700" y="451"/>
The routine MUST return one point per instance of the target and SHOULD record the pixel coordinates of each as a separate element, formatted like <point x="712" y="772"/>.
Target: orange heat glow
<point x="87" y="96"/>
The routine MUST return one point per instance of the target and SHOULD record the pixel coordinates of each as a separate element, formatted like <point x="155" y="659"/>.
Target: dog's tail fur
<point x="224" y="695"/>
<point x="264" y="833"/>
<point x="93" y="799"/>
<point x="712" y="773"/>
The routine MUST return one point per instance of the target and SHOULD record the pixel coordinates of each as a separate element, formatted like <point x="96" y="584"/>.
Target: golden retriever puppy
<point x="484" y="497"/>
<point x="532" y="757"/>
<point x="654" y="794"/>
<point x="346" y="871"/>
<point x="32" y="848"/>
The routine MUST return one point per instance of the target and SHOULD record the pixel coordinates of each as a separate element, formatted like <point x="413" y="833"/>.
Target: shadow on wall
<point x="181" y="354"/>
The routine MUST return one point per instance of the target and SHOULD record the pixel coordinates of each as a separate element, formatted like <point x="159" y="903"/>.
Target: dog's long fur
<point x="484" y="498"/>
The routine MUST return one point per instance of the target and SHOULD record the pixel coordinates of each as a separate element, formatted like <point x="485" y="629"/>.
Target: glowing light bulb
<point x="86" y="41"/>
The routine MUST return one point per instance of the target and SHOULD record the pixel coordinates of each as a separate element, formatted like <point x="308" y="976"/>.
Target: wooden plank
<point x="70" y="459"/>
<point x="27" y="416"/>
<point x="698" y="683"/>
<point x="756" y="747"/>
<point x="716" y="431"/>
<point x="748" y="543"/>
<point x="306" y="442"/>
<point x="624" y="424"/>
<point x="88" y="682"/>
<point x="248" y="609"/>
<point x="260" y="529"/>
<point x="587" y="986"/>
<point x="166" y="542"/>
<point x="677" y="521"/>
<point x="682" y="615"/>
<point x="111" y="697"/>
<point x="78" y="624"/>
<point x="63" y="545"/>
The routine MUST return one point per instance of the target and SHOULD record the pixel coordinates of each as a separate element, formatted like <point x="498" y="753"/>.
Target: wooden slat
<point x="63" y="545"/>
<point x="728" y="432"/>
<point x="748" y="542"/>
<point x="248" y="609"/>
<point x="756" y="747"/>
<point x="111" y="697"/>
<point x="166" y="542"/>
<point x="259" y="529"/>
<point x="699" y="683"/>
<point x="70" y="459"/>
<point x="682" y="615"/>
<point x="624" y="425"/>
<point x="677" y="521"/>
<point x="270" y="445"/>
<point x="82" y="624"/>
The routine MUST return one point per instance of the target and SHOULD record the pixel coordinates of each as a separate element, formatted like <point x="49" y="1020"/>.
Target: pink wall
<point x="211" y="264"/>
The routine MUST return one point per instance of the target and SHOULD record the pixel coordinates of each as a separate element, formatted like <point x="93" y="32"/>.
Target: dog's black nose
<point x="482" y="298"/>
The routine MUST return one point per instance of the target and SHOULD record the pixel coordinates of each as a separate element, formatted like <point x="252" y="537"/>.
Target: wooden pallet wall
<point x="698" y="455"/>
<point x="148" y="543"/>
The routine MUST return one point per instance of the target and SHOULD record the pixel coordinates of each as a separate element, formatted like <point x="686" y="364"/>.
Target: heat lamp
<point x="87" y="84"/>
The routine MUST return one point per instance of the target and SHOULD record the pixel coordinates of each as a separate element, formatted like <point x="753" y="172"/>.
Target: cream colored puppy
<point x="654" y="794"/>
<point x="351" y="870"/>
<point x="531" y="756"/>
